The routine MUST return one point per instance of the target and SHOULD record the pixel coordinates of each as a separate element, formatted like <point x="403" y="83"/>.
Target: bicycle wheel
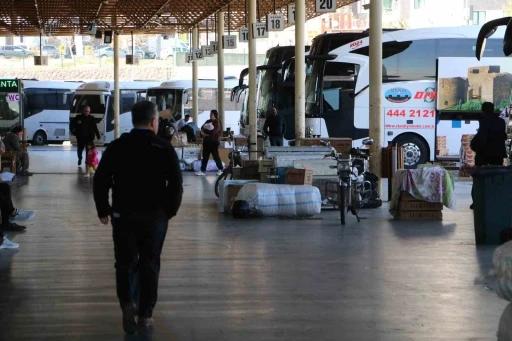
<point x="342" y="200"/>
<point x="226" y="175"/>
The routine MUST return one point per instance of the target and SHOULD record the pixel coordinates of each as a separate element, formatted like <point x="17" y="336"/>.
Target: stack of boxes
<point x="410" y="208"/>
<point x="441" y="146"/>
<point x="467" y="156"/>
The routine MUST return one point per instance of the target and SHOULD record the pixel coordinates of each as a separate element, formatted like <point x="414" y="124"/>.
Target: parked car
<point x="108" y="52"/>
<point x="50" y="51"/>
<point x="168" y="52"/>
<point x="9" y="51"/>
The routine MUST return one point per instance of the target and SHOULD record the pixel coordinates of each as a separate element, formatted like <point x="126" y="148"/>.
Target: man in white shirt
<point x="505" y="114"/>
<point x="183" y="122"/>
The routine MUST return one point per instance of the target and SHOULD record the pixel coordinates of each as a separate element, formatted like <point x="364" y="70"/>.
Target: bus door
<point x="98" y="102"/>
<point x="10" y="104"/>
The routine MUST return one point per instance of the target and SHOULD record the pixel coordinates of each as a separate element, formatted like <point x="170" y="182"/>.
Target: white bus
<point x="175" y="96"/>
<point x="100" y="98"/>
<point x="337" y="90"/>
<point x="45" y="106"/>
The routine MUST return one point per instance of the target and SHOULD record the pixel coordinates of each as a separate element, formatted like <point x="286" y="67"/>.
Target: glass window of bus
<point x="410" y="60"/>
<point x="268" y="93"/>
<point x="337" y="77"/>
<point x="317" y="69"/>
<point x="37" y="100"/>
<point x="93" y="101"/>
<point x="467" y="48"/>
<point x="129" y="98"/>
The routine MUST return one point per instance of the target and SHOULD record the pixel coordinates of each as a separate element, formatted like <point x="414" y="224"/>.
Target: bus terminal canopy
<point x="68" y="17"/>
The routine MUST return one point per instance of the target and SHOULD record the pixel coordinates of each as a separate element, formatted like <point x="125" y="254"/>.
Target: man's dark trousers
<point x="138" y="242"/>
<point x="81" y="146"/>
<point x="276" y="141"/>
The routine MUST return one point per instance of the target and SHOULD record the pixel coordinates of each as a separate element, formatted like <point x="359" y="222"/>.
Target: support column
<point x="195" y="77"/>
<point x="375" y="89"/>
<point x="117" y="92"/>
<point x="300" y="71"/>
<point x="253" y="119"/>
<point x="220" y="69"/>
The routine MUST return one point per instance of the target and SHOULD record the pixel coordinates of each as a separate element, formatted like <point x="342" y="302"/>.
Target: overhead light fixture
<point x="104" y="2"/>
<point x="108" y="37"/>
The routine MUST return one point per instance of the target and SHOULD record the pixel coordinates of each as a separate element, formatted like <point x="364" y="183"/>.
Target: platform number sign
<point x="188" y="57"/>
<point x="198" y="55"/>
<point x="215" y="46"/>
<point x="259" y="30"/>
<point x="243" y="35"/>
<point x="291" y="13"/>
<point x="275" y="22"/>
<point x="206" y="50"/>
<point x="325" y="6"/>
<point x="229" y="42"/>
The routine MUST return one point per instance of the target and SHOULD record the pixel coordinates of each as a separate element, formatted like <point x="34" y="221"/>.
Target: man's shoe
<point x="13" y="227"/>
<point x="220" y="172"/>
<point x="200" y="174"/>
<point x="7" y="244"/>
<point x="21" y="215"/>
<point x="79" y="162"/>
<point x="25" y="173"/>
<point x="145" y="322"/>
<point x="129" y="323"/>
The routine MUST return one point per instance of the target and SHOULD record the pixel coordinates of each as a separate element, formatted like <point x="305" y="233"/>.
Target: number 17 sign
<point x="325" y="6"/>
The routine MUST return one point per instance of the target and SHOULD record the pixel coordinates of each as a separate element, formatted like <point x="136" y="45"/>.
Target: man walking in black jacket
<point x="141" y="208"/>
<point x="275" y="128"/>
<point x="84" y="128"/>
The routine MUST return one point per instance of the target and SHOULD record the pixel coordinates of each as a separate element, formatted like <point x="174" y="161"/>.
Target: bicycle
<point x="235" y="160"/>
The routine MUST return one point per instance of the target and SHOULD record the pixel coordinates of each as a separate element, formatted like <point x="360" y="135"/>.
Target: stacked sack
<point x="441" y="146"/>
<point x="502" y="261"/>
<point x="466" y="155"/>
<point x="282" y="200"/>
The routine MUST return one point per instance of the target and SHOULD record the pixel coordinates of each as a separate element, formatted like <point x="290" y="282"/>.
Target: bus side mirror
<point x="185" y="97"/>
<point x="102" y="99"/>
<point x="65" y="97"/>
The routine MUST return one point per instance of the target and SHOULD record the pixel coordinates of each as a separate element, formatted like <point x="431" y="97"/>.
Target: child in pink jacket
<point x="92" y="161"/>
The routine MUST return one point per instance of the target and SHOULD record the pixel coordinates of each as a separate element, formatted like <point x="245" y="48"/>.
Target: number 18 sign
<point x="275" y="22"/>
<point x="325" y="6"/>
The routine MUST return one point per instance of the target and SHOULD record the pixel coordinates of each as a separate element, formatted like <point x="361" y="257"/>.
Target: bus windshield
<point x="168" y="101"/>
<point x="93" y="101"/>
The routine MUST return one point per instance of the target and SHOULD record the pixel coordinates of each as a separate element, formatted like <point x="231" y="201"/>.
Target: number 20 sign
<point x="325" y="6"/>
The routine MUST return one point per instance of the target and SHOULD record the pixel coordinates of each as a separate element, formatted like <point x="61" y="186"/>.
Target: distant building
<point x="487" y="83"/>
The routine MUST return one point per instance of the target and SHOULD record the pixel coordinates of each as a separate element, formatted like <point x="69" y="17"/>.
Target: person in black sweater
<point x="275" y="128"/>
<point x="489" y="142"/>
<point x="143" y="202"/>
<point x="84" y="128"/>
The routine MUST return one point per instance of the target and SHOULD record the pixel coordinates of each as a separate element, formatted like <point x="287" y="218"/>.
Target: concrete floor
<point x="265" y="279"/>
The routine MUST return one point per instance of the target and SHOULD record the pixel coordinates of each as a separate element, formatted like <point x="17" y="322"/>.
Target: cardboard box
<point x="342" y="145"/>
<point x="419" y="206"/>
<point x="250" y="163"/>
<point x="179" y="139"/>
<point x="310" y="142"/>
<point x="240" y="141"/>
<point x="420" y="215"/>
<point x="298" y="176"/>
<point x="265" y="164"/>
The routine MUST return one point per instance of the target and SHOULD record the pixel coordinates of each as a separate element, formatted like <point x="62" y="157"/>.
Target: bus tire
<point x="415" y="150"/>
<point x="39" y="139"/>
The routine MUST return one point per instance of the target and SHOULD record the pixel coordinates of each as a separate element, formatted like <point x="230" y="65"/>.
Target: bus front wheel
<point x="415" y="150"/>
<point x="39" y="138"/>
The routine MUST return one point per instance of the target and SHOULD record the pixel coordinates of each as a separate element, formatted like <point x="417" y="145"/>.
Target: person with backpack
<point x="274" y="128"/>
